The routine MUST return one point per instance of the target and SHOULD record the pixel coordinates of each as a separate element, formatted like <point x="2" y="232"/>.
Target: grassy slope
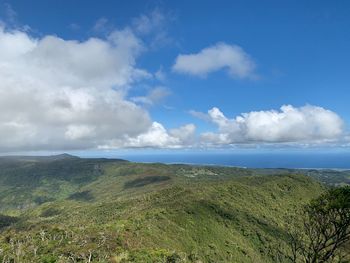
<point x="149" y="212"/>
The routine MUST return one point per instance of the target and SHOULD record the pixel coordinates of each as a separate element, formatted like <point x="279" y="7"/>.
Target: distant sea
<point x="251" y="160"/>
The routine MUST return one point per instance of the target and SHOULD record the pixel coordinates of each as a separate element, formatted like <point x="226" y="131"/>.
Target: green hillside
<point x="67" y="209"/>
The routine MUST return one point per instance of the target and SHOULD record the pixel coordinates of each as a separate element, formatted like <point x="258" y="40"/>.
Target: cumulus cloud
<point x="59" y="94"/>
<point x="220" y="56"/>
<point x="288" y="125"/>
<point x="157" y="137"/>
<point x="185" y="134"/>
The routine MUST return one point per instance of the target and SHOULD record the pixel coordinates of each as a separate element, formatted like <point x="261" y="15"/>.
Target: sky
<point x="181" y="75"/>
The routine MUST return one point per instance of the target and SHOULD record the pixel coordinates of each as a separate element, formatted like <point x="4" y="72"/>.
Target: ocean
<point x="249" y="160"/>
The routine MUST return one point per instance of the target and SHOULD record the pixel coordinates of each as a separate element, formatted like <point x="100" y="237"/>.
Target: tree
<point x="7" y="220"/>
<point x="323" y="229"/>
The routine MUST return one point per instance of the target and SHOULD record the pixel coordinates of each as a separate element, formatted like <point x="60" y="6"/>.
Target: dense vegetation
<point x="67" y="209"/>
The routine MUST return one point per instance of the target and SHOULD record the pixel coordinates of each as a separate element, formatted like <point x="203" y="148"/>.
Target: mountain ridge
<point x="136" y="212"/>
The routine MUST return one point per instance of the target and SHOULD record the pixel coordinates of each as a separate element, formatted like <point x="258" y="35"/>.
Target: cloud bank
<point x="58" y="94"/>
<point x="220" y="56"/>
<point x="309" y="124"/>
<point x="157" y="137"/>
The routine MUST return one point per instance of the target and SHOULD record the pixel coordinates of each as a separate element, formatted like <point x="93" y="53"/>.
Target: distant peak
<point x="63" y="156"/>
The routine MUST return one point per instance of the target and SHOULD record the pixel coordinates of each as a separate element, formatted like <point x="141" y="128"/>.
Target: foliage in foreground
<point x="321" y="233"/>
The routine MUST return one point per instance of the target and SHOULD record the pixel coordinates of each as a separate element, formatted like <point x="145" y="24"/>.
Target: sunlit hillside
<point x="100" y="209"/>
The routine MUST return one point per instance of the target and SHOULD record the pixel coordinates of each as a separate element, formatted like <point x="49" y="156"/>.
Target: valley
<point x="69" y="209"/>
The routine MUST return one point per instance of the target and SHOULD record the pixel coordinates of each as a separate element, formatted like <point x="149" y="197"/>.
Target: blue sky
<point x="297" y="51"/>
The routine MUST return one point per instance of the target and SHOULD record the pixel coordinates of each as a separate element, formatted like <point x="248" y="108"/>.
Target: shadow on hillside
<point x="6" y="221"/>
<point x="139" y="182"/>
<point x="85" y="196"/>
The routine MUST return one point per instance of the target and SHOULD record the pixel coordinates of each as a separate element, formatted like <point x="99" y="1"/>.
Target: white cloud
<point x="155" y="96"/>
<point x="186" y="134"/>
<point x="308" y="124"/>
<point x="74" y="132"/>
<point x="157" y="137"/>
<point x="59" y="94"/>
<point x="214" y="58"/>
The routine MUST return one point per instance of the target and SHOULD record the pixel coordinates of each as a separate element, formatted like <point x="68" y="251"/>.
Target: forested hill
<point x="69" y="209"/>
